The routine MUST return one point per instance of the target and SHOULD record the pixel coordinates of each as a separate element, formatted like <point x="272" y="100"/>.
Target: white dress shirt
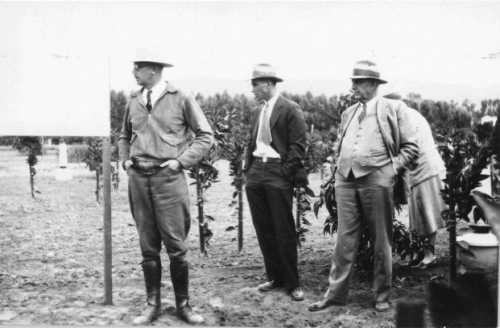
<point x="263" y="150"/>
<point x="156" y="92"/>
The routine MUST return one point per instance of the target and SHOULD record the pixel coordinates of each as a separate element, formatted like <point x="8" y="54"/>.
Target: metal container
<point x="478" y="252"/>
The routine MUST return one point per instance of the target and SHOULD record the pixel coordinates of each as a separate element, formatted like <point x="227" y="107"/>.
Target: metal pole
<point x="106" y="162"/>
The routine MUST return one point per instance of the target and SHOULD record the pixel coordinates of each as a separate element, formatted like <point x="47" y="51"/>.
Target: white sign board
<point x="54" y="95"/>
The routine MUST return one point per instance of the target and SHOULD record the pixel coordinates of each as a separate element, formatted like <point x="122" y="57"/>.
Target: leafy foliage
<point x="465" y="158"/>
<point x="405" y="244"/>
<point x="231" y="120"/>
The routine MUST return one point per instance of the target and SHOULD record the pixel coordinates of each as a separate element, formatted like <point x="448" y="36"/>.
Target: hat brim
<point x="358" y="77"/>
<point x="154" y="62"/>
<point x="274" y="78"/>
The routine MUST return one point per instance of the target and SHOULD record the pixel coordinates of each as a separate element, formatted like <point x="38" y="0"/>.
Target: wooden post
<point x="498" y="287"/>
<point x="97" y="182"/>
<point x="32" y="180"/>
<point x="453" y="241"/>
<point x="106" y="162"/>
<point x="240" y="209"/>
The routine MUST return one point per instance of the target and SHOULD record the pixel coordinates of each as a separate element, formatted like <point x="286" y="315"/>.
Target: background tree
<point x="32" y="146"/>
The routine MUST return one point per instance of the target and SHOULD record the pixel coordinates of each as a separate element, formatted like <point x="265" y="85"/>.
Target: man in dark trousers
<point x="273" y="165"/>
<point x="154" y="149"/>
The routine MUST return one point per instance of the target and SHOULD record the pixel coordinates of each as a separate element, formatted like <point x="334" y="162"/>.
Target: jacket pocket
<point x="171" y="139"/>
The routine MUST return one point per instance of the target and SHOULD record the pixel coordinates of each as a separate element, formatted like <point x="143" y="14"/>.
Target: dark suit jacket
<point x="288" y="131"/>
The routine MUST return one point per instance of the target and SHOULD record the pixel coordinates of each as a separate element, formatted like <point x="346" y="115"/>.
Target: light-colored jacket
<point x="429" y="162"/>
<point x="398" y="132"/>
<point x="165" y="133"/>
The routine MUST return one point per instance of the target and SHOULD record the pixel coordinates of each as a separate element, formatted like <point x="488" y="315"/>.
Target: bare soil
<point x="51" y="261"/>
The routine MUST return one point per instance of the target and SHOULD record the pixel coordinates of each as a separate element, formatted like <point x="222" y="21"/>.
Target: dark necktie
<point x="148" y="105"/>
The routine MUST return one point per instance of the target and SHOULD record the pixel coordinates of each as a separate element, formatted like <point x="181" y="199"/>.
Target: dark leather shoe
<point x="297" y="294"/>
<point x="267" y="286"/>
<point x="149" y="314"/>
<point x="382" y="306"/>
<point x="186" y="313"/>
<point x="323" y="304"/>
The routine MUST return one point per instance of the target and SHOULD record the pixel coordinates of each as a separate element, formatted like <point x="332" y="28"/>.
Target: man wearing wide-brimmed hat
<point x="376" y="142"/>
<point x="273" y="166"/>
<point x="154" y="149"/>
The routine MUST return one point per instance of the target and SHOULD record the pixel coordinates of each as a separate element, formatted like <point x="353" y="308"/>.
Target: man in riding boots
<point x="154" y="150"/>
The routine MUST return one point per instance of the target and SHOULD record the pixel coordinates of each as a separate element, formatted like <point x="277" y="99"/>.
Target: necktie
<point x="148" y="104"/>
<point x="362" y="114"/>
<point x="265" y="129"/>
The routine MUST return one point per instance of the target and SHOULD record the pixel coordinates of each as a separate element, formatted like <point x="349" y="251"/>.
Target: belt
<point x="267" y="160"/>
<point x="146" y="166"/>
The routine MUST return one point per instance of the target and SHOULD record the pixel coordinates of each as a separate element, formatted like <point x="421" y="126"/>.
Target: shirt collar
<point x="168" y="87"/>
<point x="271" y="102"/>
<point x="157" y="88"/>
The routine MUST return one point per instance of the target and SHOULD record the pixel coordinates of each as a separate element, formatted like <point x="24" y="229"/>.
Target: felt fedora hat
<point x="265" y="71"/>
<point x="148" y="56"/>
<point x="366" y="69"/>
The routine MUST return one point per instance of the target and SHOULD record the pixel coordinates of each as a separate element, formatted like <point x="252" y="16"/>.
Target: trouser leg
<point x="171" y="206"/>
<point x="285" y="236"/>
<point x="141" y="206"/>
<point x="378" y="209"/>
<point x="346" y="246"/>
<point x="264" y="229"/>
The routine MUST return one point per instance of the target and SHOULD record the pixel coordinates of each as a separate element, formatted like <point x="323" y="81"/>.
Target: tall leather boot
<point x="152" y="279"/>
<point x="179" y="273"/>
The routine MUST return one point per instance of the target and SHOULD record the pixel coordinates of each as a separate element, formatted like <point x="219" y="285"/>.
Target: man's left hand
<point x="172" y="164"/>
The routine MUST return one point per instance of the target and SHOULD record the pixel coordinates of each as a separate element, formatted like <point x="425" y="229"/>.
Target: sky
<point x="432" y="48"/>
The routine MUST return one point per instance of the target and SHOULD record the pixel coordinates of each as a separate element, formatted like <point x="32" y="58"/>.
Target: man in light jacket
<point x="376" y="142"/>
<point x="155" y="147"/>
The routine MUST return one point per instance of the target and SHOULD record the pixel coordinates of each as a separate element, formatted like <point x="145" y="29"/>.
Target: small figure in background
<point x="63" y="154"/>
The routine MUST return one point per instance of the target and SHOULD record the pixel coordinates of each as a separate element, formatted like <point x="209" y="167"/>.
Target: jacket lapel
<point x="255" y="125"/>
<point x="276" y="112"/>
<point x="349" y="120"/>
<point x="139" y="97"/>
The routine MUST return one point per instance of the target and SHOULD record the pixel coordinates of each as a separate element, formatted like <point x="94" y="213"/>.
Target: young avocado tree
<point x="33" y="147"/>
<point x="204" y="175"/>
<point x="232" y="135"/>
<point x="465" y="158"/>
<point x="93" y="159"/>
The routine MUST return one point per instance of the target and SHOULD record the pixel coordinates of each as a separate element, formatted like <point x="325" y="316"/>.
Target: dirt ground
<point x="51" y="261"/>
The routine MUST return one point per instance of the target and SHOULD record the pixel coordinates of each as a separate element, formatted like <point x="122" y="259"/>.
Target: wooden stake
<point x="240" y="212"/>
<point x="498" y="287"/>
<point x="106" y="162"/>
<point x="453" y="243"/>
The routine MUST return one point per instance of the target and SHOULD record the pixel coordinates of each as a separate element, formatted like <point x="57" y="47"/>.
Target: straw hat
<point x="148" y="56"/>
<point x="365" y="69"/>
<point x="265" y="71"/>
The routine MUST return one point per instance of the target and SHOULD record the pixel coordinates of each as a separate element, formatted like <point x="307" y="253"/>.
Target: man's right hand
<point x="128" y="163"/>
